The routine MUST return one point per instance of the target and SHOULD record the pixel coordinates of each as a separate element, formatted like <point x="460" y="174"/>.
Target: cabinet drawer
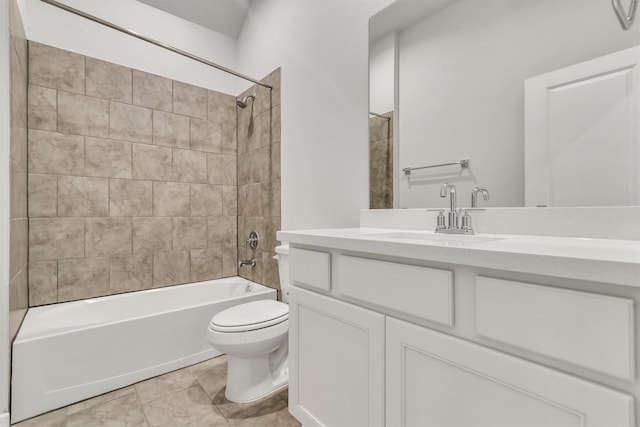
<point x="310" y="268"/>
<point x="426" y="293"/>
<point x="590" y="330"/>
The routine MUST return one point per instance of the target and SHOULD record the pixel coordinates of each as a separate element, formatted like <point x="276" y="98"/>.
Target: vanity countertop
<point x="600" y="260"/>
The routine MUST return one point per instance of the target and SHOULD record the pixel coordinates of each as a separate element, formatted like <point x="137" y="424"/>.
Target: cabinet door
<point x="434" y="379"/>
<point x="336" y="372"/>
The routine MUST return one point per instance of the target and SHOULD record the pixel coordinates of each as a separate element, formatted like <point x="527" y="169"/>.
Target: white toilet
<point x="254" y="336"/>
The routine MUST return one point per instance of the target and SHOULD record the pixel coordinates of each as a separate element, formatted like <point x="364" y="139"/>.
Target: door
<point x="433" y="379"/>
<point x="336" y="350"/>
<point x="582" y="133"/>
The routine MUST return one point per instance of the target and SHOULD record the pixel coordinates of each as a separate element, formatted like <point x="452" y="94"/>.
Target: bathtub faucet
<point x="243" y="262"/>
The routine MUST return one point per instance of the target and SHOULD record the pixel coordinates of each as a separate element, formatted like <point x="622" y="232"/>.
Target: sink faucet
<point x="453" y="213"/>
<point x="474" y="195"/>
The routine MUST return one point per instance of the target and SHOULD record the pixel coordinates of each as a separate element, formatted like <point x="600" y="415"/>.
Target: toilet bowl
<point x="254" y="336"/>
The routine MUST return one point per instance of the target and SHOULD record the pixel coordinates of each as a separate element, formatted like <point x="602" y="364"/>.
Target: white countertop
<point x="598" y="260"/>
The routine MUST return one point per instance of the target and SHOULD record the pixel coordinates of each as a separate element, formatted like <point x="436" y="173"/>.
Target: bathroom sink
<point x="446" y="239"/>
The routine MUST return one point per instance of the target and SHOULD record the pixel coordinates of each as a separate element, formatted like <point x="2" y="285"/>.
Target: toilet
<point x="254" y="336"/>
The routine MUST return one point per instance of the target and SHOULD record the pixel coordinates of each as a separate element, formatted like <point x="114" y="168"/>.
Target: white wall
<point x="47" y="24"/>
<point x="4" y="209"/>
<point x="382" y="67"/>
<point x="462" y="75"/>
<point x="322" y="47"/>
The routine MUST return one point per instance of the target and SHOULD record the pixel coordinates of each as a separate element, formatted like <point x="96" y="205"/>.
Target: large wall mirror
<point x="542" y="98"/>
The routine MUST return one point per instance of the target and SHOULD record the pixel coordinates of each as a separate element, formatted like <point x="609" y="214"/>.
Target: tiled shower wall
<point x="18" y="288"/>
<point x="132" y="179"/>
<point x="259" y="179"/>
<point x="381" y="162"/>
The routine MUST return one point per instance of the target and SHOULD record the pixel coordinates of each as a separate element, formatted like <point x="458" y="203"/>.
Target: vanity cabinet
<point x="434" y="379"/>
<point x="336" y="366"/>
<point x="381" y="340"/>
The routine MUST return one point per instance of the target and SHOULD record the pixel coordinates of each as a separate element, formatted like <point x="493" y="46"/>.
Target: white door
<point x="582" y="133"/>
<point x="336" y="372"/>
<point x="433" y="379"/>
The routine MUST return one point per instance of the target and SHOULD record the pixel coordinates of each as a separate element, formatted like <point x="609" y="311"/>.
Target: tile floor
<point x="193" y="396"/>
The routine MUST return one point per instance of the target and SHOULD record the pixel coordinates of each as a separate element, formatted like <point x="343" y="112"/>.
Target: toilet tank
<point x="282" y="255"/>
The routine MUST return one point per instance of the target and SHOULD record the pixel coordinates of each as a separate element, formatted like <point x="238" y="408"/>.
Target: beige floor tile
<point x="99" y="400"/>
<point x="267" y="412"/>
<point x="214" y="380"/>
<point x="164" y="385"/>
<point x="123" y="412"/>
<point x="205" y="367"/>
<point x="190" y="407"/>
<point x="51" y="419"/>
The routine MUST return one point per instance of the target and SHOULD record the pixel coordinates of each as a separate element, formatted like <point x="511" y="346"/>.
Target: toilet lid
<point x="250" y="316"/>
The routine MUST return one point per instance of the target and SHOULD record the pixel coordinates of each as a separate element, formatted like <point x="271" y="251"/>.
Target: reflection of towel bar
<point x="464" y="163"/>
<point x="626" y="18"/>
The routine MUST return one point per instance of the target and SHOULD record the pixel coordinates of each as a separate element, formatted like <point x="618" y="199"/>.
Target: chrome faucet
<point x="453" y="212"/>
<point x="474" y="195"/>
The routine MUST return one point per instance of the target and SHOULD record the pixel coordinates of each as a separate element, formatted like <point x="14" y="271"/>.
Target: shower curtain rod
<point x="152" y="41"/>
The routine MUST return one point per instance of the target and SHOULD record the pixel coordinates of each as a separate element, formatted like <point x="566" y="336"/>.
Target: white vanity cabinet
<point x="379" y="339"/>
<point x="336" y="362"/>
<point x="434" y="379"/>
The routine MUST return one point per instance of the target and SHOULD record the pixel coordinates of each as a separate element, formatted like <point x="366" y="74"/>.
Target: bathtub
<point x="68" y="352"/>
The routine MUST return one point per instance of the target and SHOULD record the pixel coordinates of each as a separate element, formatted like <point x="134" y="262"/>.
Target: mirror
<point x="454" y="77"/>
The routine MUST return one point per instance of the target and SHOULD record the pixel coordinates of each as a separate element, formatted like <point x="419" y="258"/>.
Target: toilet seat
<point x="250" y="316"/>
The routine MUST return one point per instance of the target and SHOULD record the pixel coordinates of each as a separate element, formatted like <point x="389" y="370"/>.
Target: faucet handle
<point x="441" y="223"/>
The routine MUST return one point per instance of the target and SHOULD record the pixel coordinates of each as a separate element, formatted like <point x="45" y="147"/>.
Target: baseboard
<point x="4" y="419"/>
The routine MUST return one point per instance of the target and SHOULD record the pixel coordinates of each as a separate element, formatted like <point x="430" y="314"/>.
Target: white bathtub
<point x="68" y="352"/>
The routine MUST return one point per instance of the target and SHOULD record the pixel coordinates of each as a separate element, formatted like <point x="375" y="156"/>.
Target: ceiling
<point x="223" y="16"/>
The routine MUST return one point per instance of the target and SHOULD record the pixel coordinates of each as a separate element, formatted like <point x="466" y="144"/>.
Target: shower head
<point x="242" y="102"/>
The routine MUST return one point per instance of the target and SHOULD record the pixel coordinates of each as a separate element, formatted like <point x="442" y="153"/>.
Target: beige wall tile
<point x="130" y="198"/>
<point x="275" y="201"/>
<point x="43" y="283"/>
<point x="83" y="115"/>
<point x="130" y="272"/>
<point x="18" y="301"/>
<point x="55" y="153"/>
<point x="229" y="262"/>
<point x="261" y="164"/>
<point x="152" y="234"/>
<point x="18" y="190"/>
<point x="129" y="122"/>
<point x="152" y="91"/>
<point x="206" y="200"/>
<point x="18" y="144"/>
<point x="43" y="196"/>
<point x="245" y="162"/>
<point x="275" y="161"/>
<point x="56" y="68"/>
<point x="229" y="139"/>
<point x="56" y="238"/>
<point x="82" y="278"/>
<point x="263" y="99"/>
<point x="206" y="264"/>
<point x="151" y="162"/>
<point x="171" y="199"/>
<point x="229" y="201"/>
<point x="108" y="81"/>
<point x="171" y="130"/>
<point x="206" y="136"/>
<point x="221" y="169"/>
<point x="222" y="231"/>
<point x="107" y="158"/>
<point x="18" y="246"/>
<point x="222" y="108"/>
<point x="189" y="166"/>
<point x="189" y="100"/>
<point x="171" y="268"/>
<point x="108" y="236"/>
<point x="276" y="119"/>
<point x="43" y="108"/>
<point x="189" y="233"/>
<point x="83" y="197"/>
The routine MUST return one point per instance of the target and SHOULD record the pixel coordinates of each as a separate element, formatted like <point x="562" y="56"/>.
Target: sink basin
<point x="445" y="239"/>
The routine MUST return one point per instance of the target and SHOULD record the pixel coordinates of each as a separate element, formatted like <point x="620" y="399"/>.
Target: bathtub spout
<point x="243" y="262"/>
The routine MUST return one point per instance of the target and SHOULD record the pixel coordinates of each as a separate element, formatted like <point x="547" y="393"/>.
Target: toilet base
<point x="252" y="378"/>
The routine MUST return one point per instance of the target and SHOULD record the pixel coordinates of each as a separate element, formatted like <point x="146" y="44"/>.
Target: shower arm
<point x="152" y="41"/>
